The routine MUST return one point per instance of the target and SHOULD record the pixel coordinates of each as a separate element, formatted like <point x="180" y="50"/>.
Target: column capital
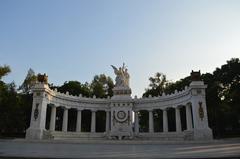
<point x="80" y="109"/>
<point x="188" y="105"/>
<point x="65" y="107"/>
<point x="165" y="109"/>
<point x="57" y="105"/>
<point x="136" y="111"/>
<point x="52" y="105"/>
<point x="93" y="110"/>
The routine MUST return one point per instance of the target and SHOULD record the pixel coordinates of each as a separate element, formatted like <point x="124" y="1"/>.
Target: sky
<point x="77" y="39"/>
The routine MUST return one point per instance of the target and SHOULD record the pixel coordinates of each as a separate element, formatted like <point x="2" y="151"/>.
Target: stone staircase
<point x="56" y="135"/>
<point x="169" y="136"/>
<point x="157" y="136"/>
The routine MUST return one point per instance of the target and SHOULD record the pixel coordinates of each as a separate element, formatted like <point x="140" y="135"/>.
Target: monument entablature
<point x="122" y="112"/>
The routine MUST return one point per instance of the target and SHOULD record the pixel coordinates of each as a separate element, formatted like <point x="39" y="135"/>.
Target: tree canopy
<point x="74" y="88"/>
<point x="157" y="85"/>
<point x="4" y="70"/>
<point x="101" y="87"/>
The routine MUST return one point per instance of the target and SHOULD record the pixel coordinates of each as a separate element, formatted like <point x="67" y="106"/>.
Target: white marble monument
<point x="119" y="110"/>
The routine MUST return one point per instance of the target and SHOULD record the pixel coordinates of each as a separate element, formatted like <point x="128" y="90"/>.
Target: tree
<point x="227" y="87"/>
<point x="101" y="86"/>
<point x="157" y="85"/>
<point x="4" y="70"/>
<point x="178" y="85"/>
<point x="74" y="88"/>
<point x="11" y="113"/>
<point x="29" y="81"/>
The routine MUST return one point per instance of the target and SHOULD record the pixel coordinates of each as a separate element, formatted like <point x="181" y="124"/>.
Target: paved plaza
<point x="119" y="149"/>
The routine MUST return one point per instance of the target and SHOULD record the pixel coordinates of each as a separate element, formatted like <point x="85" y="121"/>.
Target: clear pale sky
<point x="75" y="40"/>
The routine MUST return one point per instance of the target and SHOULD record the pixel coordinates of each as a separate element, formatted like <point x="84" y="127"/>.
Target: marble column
<point x="65" y="120"/>
<point x="53" y="118"/>
<point x="136" y="122"/>
<point x="165" y="121"/>
<point x="79" y="120"/>
<point x="93" y="121"/>
<point x="151" y="129"/>
<point x="107" y="121"/>
<point x="189" y="117"/>
<point x="178" y="120"/>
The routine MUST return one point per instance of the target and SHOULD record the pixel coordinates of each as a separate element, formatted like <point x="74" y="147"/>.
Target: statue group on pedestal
<point x="122" y="76"/>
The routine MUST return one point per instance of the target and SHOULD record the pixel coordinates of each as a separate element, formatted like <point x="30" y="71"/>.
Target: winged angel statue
<point x="122" y="76"/>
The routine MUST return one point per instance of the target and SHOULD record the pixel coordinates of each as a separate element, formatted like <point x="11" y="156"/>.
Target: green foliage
<point x="178" y="85"/>
<point x="102" y="86"/>
<point x="157" y="85"/>
<point x="75" y="88"/>
<point x="226" y="106"/>
<point x="15" y="110"/>
<point x="4" y="70"/>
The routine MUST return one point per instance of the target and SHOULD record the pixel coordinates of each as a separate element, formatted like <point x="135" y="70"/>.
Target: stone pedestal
<point x="121" y="114"/>
<point x="37" y="134"/>
<point x="202" y="134"/>
<point x="122" y="91"/>
<point x="201" y="130"/>
<point x="38" y="116"/>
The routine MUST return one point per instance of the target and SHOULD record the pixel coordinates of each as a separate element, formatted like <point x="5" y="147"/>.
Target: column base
<point x="37" y="134"/>
<point x="202" y="134"/>
<point x="121" y="135"/>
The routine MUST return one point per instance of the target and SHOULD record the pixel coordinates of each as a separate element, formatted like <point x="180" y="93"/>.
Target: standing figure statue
<point x="122" y="76"/>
